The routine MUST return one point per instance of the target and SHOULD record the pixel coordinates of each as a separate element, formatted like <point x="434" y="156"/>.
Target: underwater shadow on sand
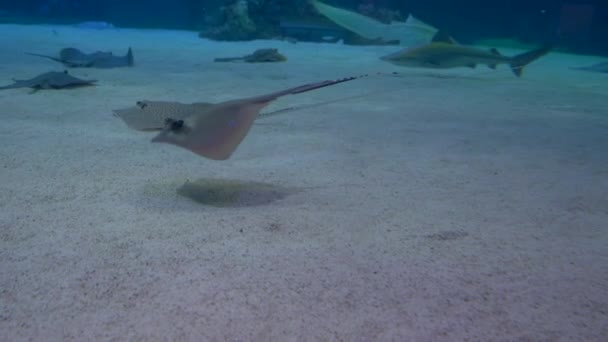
<point x="212" y="192"/>
<point x="232" y="193"/>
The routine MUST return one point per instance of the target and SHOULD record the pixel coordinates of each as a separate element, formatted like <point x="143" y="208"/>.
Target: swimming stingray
<point x="599" y="67"/>
<point x="210" y="130"/>
<point x="74" y="58"/>
<point x="50" y="80"/>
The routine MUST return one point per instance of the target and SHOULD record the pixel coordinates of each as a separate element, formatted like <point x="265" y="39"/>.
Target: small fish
<point x="74" y="58"/>
<point x="599" y="67"/>
<point x="448" y="54"/>
<point x="50" y="80"/>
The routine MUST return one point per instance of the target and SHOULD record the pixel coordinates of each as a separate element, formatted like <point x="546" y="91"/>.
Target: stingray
<point x="74" y="58"/>
<point x="211" y="130"/>
<point x="258" y="56"/>
<point x="151" y="116"/>
<point x="50" y="80"/>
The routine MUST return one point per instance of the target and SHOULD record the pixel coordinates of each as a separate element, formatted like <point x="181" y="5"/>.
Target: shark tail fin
<point x="130" y="59"/>
<point x="520" y="61"/>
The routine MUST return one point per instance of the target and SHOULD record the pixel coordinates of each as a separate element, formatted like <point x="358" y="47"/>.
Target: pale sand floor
<point x="471" y="206"/>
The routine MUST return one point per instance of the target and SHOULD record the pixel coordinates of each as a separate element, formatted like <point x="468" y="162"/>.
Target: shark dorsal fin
<point x="494" y="51"/>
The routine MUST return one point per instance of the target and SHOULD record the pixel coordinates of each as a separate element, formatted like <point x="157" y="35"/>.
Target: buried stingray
<point x="74" y="58"/>
<point x="50" y="80"/>
<point x="210" y="130"/>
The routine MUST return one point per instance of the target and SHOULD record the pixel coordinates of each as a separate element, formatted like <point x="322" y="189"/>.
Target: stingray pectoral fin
<point x="138" y="120"/>
<point x="16" y="84"/>
<point x="213" y="134"/>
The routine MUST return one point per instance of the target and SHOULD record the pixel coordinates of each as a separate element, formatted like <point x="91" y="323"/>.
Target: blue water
<point x="580" y="26"/>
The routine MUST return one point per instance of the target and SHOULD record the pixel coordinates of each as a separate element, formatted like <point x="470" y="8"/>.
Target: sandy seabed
<point x="430" y="206"/>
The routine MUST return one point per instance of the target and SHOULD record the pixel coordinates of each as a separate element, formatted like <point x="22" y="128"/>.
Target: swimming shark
<point x="411" y="32"/>
<point x="444" y="54"/>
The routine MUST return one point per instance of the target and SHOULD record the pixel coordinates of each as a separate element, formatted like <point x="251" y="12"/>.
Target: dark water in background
<point x="576" y="25"/>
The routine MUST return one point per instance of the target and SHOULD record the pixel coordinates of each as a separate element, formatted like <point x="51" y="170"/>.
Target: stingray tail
<point x="520" y="61"/>
<point x="304" y="88"/>
<point x="130" y="59"/>
<point x="45" y="56"/>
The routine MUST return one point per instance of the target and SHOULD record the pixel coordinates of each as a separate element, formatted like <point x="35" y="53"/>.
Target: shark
<point x="447" y="53"/>
<point x="412" y="32"/>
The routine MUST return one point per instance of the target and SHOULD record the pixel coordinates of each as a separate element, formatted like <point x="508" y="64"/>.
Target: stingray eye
<point x="177" y="125"/>
<point x="174" y="125"/>
<point x="141" y="104"/>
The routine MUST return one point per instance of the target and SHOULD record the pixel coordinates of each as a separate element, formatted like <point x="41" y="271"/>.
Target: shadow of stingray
<point x="227" y="193"/>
